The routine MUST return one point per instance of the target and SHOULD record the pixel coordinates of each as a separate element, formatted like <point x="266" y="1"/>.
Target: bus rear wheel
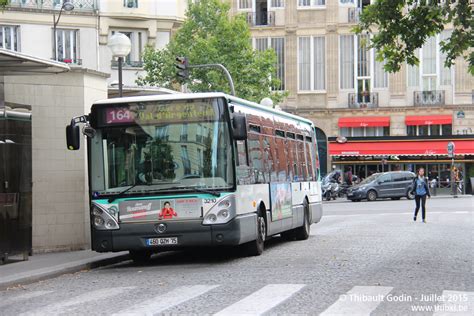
<point x="140" y="257"/>
<point x="256" y="247"/>
<point x="302" y="233"/>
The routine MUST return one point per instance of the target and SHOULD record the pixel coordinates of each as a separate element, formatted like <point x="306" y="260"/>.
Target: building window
<point x="311" y="3"/>
<point x="380" y="75"/>
<point x="311" y="63"/>
<point x="277" y="4"/>
<point x="359" y="71"/>
<point x="9" y="37"/>
<point x="364" y="131"/>
<point x="346" y="1"/>
<point x="429" y="130"/>
<point x="67" y="46"/>
<point x="138" y="40"/>
<point x="363" y="66"/>
<point x="278" y="45"/>
<point x="414" y="73"/>
<point x="346" y="52"/>
<point x="245" y="4"/>
<point x="431" y="72"/>
<point x="130" y="3"/>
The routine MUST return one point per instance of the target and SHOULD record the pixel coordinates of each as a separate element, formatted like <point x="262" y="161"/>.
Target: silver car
<point x="394" y="185"/>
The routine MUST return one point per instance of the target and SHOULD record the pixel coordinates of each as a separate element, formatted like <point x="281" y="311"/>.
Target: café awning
<point x="429" y="120"/>
<point x="400" y="148"/>
<point x="364" y="121"/>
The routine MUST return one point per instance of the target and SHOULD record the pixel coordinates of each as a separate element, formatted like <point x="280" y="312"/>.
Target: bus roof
<point x="189" y="96"/>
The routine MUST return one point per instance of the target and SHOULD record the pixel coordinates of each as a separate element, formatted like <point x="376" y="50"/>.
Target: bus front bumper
<point x="190" y="233"/>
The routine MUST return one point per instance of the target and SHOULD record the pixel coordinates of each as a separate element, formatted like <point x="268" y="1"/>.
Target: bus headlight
<point x="102" y="220"/>
<point x="222" y="212"/>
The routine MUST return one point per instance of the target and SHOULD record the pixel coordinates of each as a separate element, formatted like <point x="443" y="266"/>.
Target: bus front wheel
<point x="255" y="248"/>
<point x="140" y="256"/>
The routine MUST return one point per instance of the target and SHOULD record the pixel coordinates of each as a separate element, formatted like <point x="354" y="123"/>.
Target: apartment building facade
<point x="81" y="35"/>
<point x="42" y="183"/>
<point x="333" y="79"/>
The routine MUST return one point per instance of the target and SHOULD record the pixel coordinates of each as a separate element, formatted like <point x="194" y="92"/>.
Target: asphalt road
<point x="362" y="258"/>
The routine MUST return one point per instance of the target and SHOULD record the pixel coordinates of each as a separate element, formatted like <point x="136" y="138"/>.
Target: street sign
<point x="451" y="147"/>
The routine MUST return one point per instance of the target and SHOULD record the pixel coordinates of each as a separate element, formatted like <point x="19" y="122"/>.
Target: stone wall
<point x="60" y="203"/>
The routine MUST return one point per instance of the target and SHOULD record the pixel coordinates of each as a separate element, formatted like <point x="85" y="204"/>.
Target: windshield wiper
<point x="120" y="194"/>
<point x="201" y="190"/>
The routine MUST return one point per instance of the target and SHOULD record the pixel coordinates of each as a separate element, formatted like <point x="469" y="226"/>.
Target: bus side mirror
<point x="239" y="126"/>
<point x="73" y="139"/>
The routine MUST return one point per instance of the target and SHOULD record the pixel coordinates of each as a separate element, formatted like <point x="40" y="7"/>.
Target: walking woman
<point x="421" y="189"/>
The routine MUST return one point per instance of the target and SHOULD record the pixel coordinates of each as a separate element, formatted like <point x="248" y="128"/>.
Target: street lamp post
<point x="120" y="46"/>
<point x="67" y="6"/>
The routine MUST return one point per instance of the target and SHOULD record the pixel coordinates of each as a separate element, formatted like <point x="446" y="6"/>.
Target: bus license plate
<point x="162" y="241"/>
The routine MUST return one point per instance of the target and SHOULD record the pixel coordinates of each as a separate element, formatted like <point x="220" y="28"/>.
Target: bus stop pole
<point x="454" y="185"/>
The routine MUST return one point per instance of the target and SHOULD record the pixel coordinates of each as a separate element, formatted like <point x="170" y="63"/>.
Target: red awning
<point x="364" y="121"/>
<point x="429" y="120"/>
<point x="401" y="148"/>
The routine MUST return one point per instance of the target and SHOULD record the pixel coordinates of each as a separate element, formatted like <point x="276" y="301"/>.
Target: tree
<point x="209" y="36"/>
<point x="399" y="27"/>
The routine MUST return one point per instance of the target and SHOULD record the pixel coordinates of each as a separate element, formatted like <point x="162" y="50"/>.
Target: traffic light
<point x="182" y="65"/>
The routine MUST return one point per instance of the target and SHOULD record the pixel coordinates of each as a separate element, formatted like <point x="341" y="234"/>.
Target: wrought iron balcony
<point x="261" y="18"/>
<point x="79" y="5"/>
<point x="363" y="100"/>
<point x="429" y="98"/>
<point x="353" y="15"/>
<point x="128" y="64"/>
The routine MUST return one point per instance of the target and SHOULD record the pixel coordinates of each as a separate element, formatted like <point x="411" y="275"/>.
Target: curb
<point x="55" y="271"/>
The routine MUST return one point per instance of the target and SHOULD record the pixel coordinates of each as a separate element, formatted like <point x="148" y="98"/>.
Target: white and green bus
<point x="176" y="171"/>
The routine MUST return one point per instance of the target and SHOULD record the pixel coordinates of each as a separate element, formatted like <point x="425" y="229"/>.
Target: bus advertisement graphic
<point x="281" y="200"/>
<point x="165" y="209"/>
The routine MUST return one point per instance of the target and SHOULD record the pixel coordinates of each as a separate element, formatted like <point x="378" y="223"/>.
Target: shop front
<point x="369" y="155"/>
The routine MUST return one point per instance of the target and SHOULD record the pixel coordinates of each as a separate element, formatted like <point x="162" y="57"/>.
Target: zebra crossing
<point x="264" y="300"/>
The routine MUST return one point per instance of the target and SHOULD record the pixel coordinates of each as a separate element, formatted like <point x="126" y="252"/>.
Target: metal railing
<point x="79" y="5"/>
<point x="261" y="18"/>
<point x="127" y="63"/>
<point x="353" y="15"/>
<point x="429" y="98"/>
<point x="363" y="100"/>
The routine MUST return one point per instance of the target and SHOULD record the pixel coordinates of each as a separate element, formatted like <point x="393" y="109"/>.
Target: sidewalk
<point x="49" y="265"/>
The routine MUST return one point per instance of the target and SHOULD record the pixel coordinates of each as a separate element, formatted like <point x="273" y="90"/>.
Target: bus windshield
<point x="172" y="146"/>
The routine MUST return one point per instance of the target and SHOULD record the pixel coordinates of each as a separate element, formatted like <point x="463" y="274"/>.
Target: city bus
<point x="178" y="171"/>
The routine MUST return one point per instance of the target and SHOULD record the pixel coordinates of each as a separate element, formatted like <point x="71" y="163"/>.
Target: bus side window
<point x="243" y="170"/>
<point x="301" y="158"/>
<point x="296" y="169"/>
<point x="282" y="158"/>
<point x="269" y="158"/>
<point x="256" y="159"/>
<point x="242" y="153"/>
<point x="309" y="162"/>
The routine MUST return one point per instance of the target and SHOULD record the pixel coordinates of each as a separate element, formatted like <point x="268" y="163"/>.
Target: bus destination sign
<point x="152" y="113"/>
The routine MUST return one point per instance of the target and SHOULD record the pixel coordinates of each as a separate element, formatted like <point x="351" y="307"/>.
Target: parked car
<point x="394" y="185"/>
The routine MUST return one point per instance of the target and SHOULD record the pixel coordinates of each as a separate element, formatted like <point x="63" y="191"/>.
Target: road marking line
<point x="167" y="300"/>
<point x="394" y="213"/>
<point x="456" y="303"/>
<point x="360" y="300"/>
<point x="24" y="296"/>
<point x="262" y="300"/>
<point x="63" y="306"/>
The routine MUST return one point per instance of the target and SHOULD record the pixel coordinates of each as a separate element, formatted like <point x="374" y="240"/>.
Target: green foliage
<point x="210" y="36"/>
<point x="402" y="26"/>
<point x="3" y="4"/>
